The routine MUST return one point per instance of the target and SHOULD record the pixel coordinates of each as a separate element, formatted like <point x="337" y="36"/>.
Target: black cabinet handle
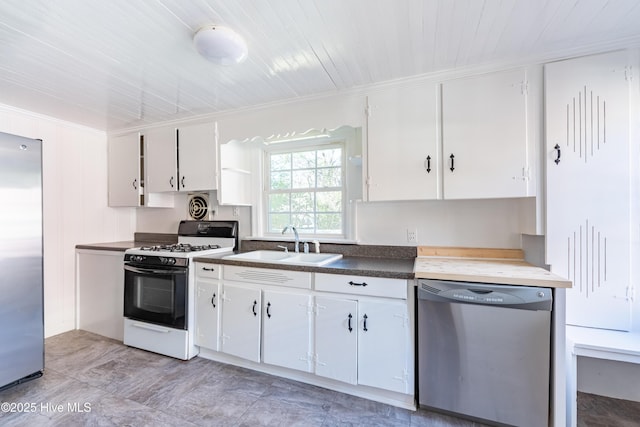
<point x="208" y="269"/>
<point x="557" y="148"/>
<point x="364" y="326"/>
<point x="427" y="164"/>
<point x="254" y="308"/>
<point x="213" y="300"/>
<point x="452" y="157"/>
<point x="349" y="322"/>
<point x="182" y="182"/>
<point x="358" y="284"/>
<point x="269" y="310"/>
<point x="171" y="182"/>
<point x="135" y="184"/>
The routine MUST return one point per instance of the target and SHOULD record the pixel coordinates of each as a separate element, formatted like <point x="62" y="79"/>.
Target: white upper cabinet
<point x="182" y="159"/>
<point x="403" y="155"/>
<point x="197" y="159"/>
<point x="126" y="162"/>
<point x="124" y="170"/>
<point x="484" y="136"/>
<point x="161" y="160"/>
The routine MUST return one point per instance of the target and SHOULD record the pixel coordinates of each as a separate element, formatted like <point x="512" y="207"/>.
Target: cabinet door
<point x="383" y="345"/>
<point x="241" y="321"/>
<point x="197" y="162"/>
<point x="402" y="150"/>
<point x="287" y="330"/>
<point x="207" y="314"/>
<point x="124" y="170"/>
<point x="589" y="186"/>
<point x="484" y="136"/>
<point x="336" y="339"/>
<point x="160" y="160"/>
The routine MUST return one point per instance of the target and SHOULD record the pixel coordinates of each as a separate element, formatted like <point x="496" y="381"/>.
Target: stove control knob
<point x="137" y="258"/>
<point x="171" y="261"/>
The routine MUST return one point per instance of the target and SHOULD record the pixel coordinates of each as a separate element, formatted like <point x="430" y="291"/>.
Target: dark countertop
<point x="392" y="268"/>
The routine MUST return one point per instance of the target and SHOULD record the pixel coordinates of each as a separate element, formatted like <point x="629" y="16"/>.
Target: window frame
<point x="302" y="146"/>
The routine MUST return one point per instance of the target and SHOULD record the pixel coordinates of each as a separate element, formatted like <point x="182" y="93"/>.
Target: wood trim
<point x="461" y="252"/>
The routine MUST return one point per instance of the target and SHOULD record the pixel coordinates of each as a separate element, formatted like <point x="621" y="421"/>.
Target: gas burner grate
<point x="179" y="247"/>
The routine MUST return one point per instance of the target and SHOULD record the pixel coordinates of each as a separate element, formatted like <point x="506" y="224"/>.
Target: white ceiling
<point x="115" y="64"/>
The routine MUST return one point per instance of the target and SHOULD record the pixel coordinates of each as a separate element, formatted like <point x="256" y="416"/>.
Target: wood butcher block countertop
<point x="502" y="266"/>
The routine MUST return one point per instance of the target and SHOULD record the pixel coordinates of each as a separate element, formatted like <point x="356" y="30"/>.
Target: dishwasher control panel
<point x="522" y="297"/>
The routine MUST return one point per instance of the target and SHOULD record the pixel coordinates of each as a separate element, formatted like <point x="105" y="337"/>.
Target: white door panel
<point x="336" y="335"/>
<point x="588" y="186"/>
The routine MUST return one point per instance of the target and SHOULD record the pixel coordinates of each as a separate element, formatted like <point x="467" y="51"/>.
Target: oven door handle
<point x="154" y="271"/>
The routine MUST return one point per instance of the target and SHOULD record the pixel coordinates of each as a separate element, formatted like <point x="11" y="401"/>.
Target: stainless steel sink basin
<point x="291" y="258"/>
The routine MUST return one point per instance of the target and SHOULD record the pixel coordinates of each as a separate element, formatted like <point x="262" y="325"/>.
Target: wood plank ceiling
<point x="118" y="64"/>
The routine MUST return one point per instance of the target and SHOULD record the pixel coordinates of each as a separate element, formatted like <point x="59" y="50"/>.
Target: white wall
<point x="490" y="223"/>
<point x="74" y="204"/>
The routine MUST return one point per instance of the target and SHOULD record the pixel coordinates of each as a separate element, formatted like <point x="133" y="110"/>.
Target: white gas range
<point x="159" y="292"/>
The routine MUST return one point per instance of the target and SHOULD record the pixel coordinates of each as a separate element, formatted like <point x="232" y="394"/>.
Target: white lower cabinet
<point x="241" y="321"/>
<point x="363" y="342"/>
<point x="351" y="329"/>
<point x="207" y="314"/>
<point x="287" y="329"/>
<point x="383" y="347"/>
<point x="336" y="339"/>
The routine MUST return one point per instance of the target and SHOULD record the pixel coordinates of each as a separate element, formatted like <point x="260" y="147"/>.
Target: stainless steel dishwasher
<point x="484" y="351"/>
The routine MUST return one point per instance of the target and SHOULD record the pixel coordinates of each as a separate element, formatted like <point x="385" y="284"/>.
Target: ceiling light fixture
<point x="221" y="45"/>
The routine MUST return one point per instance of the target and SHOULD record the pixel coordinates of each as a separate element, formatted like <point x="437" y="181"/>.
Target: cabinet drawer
<point x="267" y="276"/>
<point x="362" y="285"/>
<point x="209" y="271"/>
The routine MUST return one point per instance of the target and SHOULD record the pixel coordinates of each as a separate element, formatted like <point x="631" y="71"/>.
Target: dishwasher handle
<point x="487" y="294"/>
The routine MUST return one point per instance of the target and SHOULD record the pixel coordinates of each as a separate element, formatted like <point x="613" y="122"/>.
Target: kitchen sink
<point x="288" y="258"/>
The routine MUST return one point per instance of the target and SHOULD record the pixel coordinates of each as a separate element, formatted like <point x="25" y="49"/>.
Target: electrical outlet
<point x="236" y="211"/>
<point x="412" y="235"/>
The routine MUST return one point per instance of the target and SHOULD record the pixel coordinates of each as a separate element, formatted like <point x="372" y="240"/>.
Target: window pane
<point x="304" y="160"/>
<point x="280" y="161"/>
<point x="279" y="202"/>
<point x="329" y="223"/>
<point x="278" y="221"/>
<point x="330" y="177"/>
<point x="301" y="202"/>
<point x="329" y="201"/>
<point x="330" y="157"/>
<point x="280" y="180"/>
<point x="304" y="222"/>
<point x="304" y="179"/>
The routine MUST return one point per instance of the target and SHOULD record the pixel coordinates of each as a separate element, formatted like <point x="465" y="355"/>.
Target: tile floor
<point x="123" y="386"/>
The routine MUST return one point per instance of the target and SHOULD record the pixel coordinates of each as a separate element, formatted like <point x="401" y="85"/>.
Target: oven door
<point x="156" y="295"/>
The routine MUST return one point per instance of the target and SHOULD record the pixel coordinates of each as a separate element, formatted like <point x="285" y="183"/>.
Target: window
<point x="305" y="188"/>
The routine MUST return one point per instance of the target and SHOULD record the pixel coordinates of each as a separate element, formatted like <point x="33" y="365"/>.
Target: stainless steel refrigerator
<point x="21" y="272"/>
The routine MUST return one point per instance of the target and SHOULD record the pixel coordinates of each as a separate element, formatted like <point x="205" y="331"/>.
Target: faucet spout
<point x="295" y="234"/>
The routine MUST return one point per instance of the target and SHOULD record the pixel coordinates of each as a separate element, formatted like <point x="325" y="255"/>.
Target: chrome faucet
<point x="295" y="233"/>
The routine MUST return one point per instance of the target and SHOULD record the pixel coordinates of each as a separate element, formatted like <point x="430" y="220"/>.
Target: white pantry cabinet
<point x="484" y="136"/>
<point x="589" y="185"/>
<point x="126" y="169"/>
<point x="286" y="329"/>
<point x="241" y="321"/>
<point x="181" y="159"/>
<point x="403" y="149"/>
